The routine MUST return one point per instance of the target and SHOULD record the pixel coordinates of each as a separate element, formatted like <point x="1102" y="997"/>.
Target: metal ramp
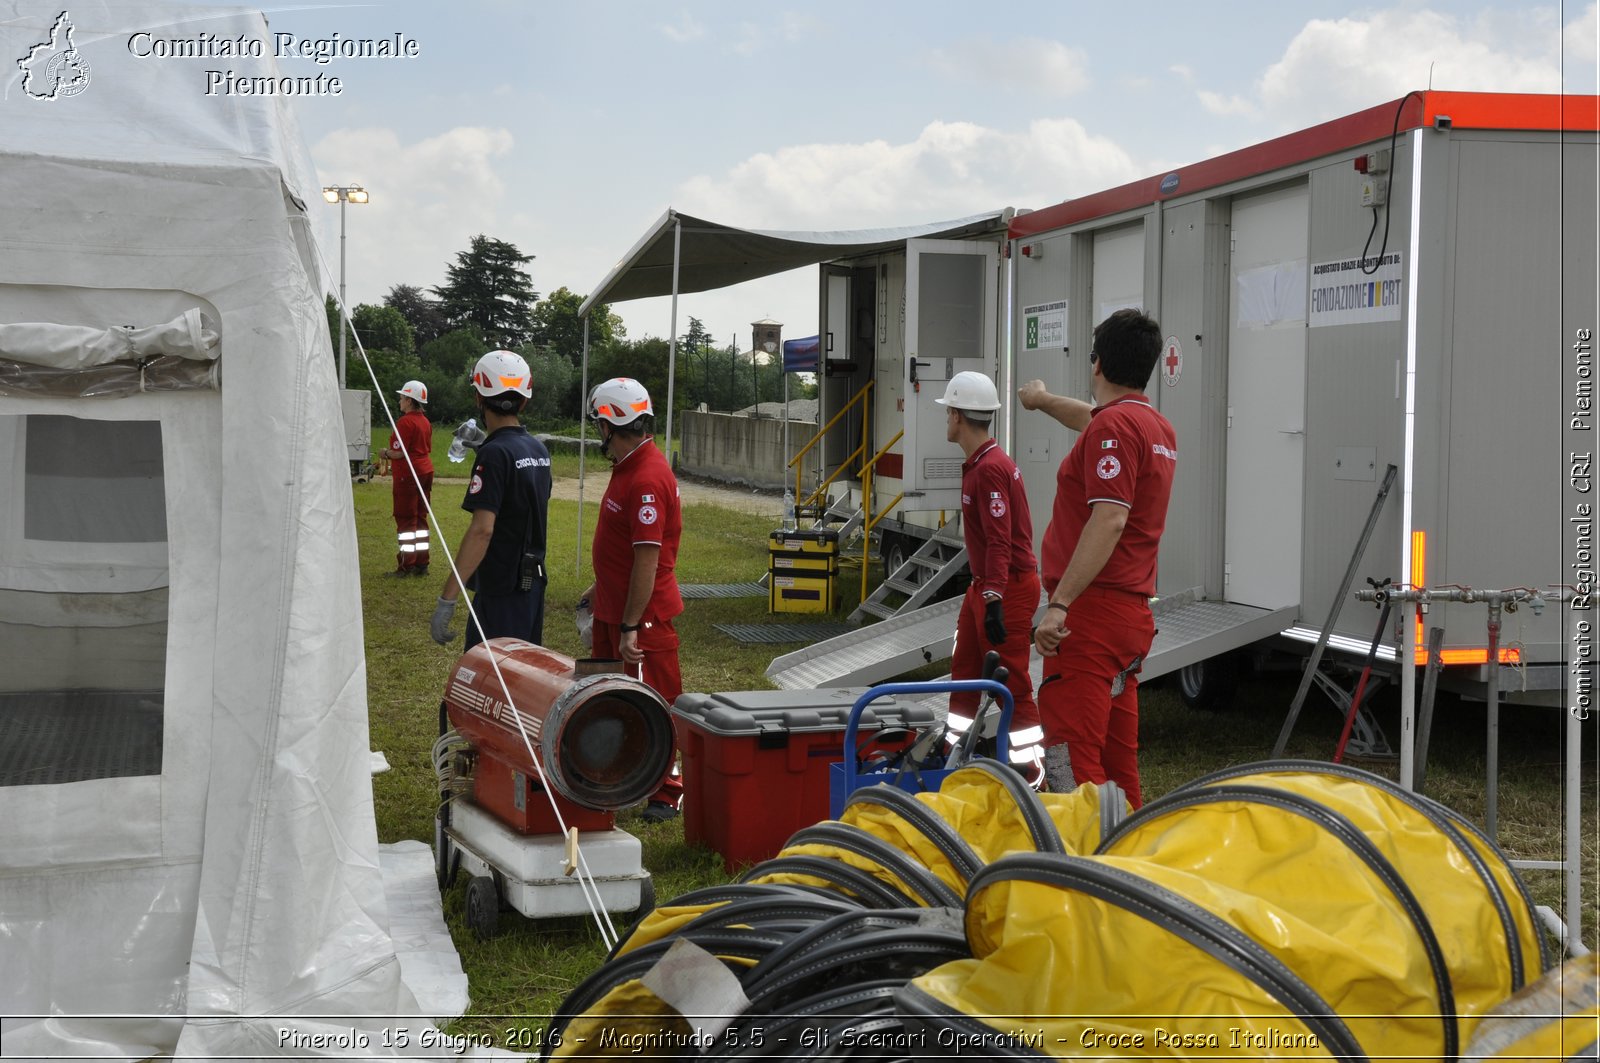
<point x="923" y="575"/>
<point x="1187" y="630"/>
<point x="871" y="654"/>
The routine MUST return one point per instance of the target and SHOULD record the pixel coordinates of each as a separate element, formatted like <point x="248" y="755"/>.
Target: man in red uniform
<point x="1099" y="558"/>
<point x="413" y="435"/>
<point x="634" y="595"/>
<point x="1004" y="592"/>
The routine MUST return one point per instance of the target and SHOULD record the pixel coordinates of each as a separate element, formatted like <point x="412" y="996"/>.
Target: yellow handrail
<point x="866" y="506"/>
<point x="794" y="462"/>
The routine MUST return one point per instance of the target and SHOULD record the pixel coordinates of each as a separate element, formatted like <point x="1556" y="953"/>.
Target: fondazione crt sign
<point x="1343" y="292"/>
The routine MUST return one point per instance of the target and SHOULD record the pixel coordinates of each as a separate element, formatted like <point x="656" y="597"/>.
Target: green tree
<point x="423" y="314"/>
<point x="455" y="352"/>
<point x="383" y="328"/>
<point x="488" y="288"/>
<point x="557" y="326"/>
<point x="555" y="383"/>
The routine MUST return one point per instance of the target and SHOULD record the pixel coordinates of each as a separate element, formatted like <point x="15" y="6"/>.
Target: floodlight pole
<point x="343" y="194"/>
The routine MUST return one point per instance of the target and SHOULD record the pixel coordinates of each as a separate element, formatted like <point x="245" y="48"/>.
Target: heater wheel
<point x="483" y="907"/>
<point x="446" y="857"/>
<point x="647" y="901"/>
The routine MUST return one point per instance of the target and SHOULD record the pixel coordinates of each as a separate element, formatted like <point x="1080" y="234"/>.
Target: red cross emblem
<point x="1172" y="362"/>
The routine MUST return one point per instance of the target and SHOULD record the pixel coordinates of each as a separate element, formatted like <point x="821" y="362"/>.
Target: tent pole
<point x="672" y="344"/>
<point x="583" y="442"/>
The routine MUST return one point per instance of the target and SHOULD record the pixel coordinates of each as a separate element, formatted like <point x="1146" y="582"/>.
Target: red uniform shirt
<point x="1126" y="455"/>
<point x="640" y="507"/>
<point x="995" y="521"/>
<point x="416" y="433"/>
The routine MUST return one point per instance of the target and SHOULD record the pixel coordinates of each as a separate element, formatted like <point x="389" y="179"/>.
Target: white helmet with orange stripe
<point x="620" y="400"/>
<point x="500" y="371"/>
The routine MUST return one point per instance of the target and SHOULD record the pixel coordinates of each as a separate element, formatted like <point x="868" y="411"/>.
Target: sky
<point x="568" y="129"/>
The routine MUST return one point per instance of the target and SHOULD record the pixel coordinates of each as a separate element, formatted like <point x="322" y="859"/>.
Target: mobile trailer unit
<point x="1314" y="339"/>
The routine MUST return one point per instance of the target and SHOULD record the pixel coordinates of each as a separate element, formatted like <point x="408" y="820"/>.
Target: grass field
<point x="530" y="967"/>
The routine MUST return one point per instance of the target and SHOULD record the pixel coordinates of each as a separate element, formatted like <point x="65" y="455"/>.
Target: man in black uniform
<point x="501" y="557"/>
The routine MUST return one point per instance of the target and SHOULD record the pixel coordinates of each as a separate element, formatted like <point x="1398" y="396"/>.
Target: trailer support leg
<point x="1333" y="614"/>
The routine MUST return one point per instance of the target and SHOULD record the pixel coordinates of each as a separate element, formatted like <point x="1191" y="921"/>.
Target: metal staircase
<point x="919" y="579"/>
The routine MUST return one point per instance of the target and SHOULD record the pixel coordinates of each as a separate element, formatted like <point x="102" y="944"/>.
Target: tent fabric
<point x="71" y="347"/>
<point x="715" y="255"/>
<point x="239" y="885"/>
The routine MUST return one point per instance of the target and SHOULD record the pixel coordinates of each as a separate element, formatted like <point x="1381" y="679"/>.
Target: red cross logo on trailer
<point x="1172" y="362"/>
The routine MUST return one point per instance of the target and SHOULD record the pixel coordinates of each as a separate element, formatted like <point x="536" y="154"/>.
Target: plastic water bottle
<point x="788" y="510"/>
<point x="458" y="446"/>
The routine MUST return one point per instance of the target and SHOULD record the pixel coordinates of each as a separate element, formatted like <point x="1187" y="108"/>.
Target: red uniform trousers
<point x="1018" y="604"/>
<point x="1106" y="631"/>
<point x="658" y="640"/>
<point x="411" y="517"/>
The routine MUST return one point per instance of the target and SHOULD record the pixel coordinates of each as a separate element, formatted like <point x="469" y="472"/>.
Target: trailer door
<point x="1266" y="398"/>
<point x="951" y="320"/>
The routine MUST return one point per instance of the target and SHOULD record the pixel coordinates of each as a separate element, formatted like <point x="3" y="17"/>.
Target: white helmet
<point x="620" y="400"/>
<point x="500" y="371"/>
<point x="415" y="390"/>
<point x="970" y="391"/>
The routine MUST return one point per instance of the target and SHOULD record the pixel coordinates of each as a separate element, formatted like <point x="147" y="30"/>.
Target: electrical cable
<point x="1394" y="135"/>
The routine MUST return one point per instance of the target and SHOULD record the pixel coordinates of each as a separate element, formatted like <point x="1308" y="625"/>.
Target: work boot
<point x="420" y="570"/>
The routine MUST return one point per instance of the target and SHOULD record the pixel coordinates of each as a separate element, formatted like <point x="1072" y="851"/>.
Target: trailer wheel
<point x="446" y="857"/>
<point x="1210" y="684"/>
<point x="893" y="552"/>
<point x="483" y="907"/>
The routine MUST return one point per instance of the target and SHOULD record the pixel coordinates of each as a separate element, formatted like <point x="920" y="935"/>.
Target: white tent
<point x="184" y="764"/>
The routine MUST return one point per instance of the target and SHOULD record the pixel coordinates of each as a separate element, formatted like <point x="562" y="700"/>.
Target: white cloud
<point x="429" y="198"/>
<point x="951" y="169"/>
<point x="1336" y="66"/>
<point x="686" y="29"/>
<point x="1216" y="103"/>
<point x="1030" y="64"/>
<point x="1582" y="38"/>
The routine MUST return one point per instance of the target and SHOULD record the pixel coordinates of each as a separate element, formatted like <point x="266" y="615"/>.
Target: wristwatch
<point x="629" y="627"/>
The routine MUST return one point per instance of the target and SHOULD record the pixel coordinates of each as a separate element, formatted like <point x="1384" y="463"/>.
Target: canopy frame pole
<point x="583" y="443"/>
<point x="672" y="344"/>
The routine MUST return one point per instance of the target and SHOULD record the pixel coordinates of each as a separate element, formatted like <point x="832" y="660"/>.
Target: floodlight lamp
<point x="330" y="194"/>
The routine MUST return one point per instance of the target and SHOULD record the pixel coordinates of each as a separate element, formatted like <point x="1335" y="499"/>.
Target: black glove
<point x="994" y="625"/>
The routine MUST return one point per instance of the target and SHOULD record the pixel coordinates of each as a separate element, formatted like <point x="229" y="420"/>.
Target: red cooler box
<point x="755" y="762"/>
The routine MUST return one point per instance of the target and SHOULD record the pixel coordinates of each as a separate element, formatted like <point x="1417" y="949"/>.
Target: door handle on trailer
<point x="1291" y="431"/>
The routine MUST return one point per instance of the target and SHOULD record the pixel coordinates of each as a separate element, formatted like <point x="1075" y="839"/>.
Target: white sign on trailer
<point x="1343" y="293"/>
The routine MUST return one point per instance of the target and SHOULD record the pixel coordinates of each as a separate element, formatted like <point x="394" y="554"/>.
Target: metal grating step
<point x="722" y="590"/>
<point x="777" y="633"/>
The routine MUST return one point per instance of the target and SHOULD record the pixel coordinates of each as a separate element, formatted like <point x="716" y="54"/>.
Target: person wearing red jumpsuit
<point x="1099" y="558"/>
<point x="635" y="597"/>
<point x="413" y="479"/>
<point x="1004" y="593"/>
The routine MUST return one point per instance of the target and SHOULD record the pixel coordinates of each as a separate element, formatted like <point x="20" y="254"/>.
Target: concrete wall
<point x="744" y="450"/>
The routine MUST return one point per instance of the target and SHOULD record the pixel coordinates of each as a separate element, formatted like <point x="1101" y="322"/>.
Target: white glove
<point x="585" y="621"/>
